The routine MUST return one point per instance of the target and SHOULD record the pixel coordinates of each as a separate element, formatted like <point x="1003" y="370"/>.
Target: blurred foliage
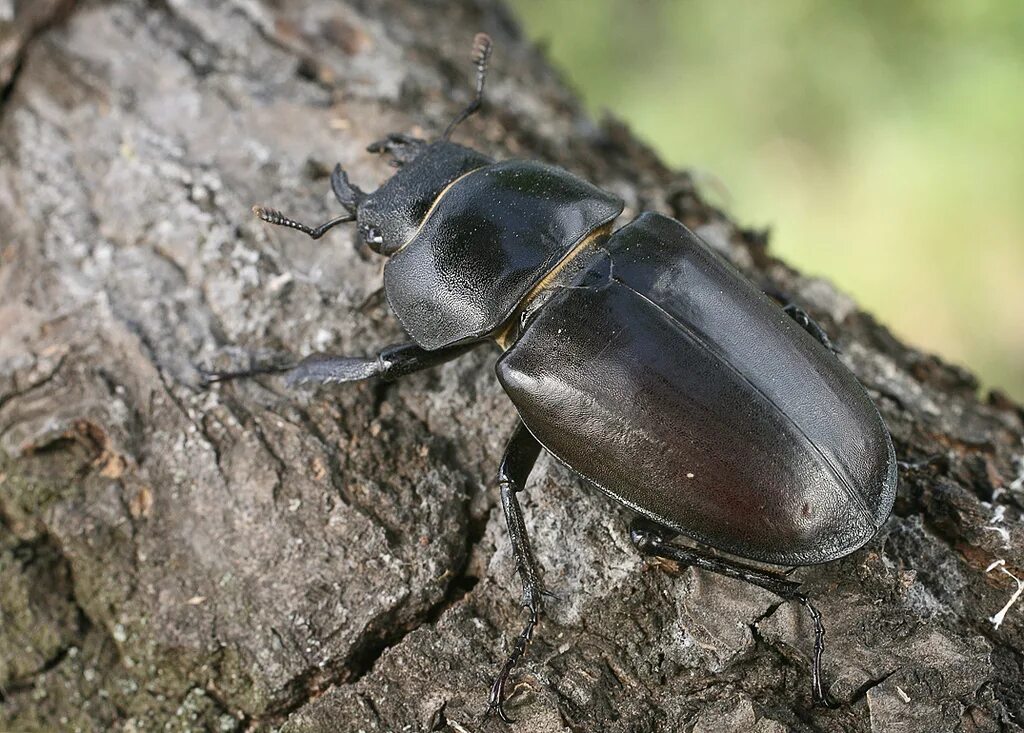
<point x="880" y="141"/>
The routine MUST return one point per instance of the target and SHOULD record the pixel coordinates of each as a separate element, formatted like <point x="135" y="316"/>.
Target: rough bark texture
<point x="173" y="558"/>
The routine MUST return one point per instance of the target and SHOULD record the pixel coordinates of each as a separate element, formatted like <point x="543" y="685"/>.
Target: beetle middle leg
<point x="802" y="319"/>
<point x="519" y="459"/>
<point x="808" y="324"/>
<point x="391" y="363"/>
<point x="651" y="539"/>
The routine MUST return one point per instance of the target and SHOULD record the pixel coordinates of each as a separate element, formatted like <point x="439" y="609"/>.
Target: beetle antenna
<point x="273" y="216"/>
<point x="481" y="55"/>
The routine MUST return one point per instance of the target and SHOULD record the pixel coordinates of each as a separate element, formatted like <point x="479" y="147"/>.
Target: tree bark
<point x="248" y="557"/>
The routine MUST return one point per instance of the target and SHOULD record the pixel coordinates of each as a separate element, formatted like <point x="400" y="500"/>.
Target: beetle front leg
<point x="519" y="459"/>
<point x="391" y="363"/>
<point x="651" y="539"/>
<point x="402" y="148"/>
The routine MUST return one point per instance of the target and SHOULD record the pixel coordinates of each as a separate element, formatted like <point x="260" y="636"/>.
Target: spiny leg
<point x="651" y="539"/>
<point x="391" y="363"/>
<point x="519" y="459"/>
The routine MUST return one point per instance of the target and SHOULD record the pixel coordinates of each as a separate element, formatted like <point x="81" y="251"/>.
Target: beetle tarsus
<point x="273" y="216"/>
<point x="818" y="692"/>
<point x="496" y="700"/>
<point x="519" y="459"/>
<point x="651" y="539"/>
<point x="208" y="377"/>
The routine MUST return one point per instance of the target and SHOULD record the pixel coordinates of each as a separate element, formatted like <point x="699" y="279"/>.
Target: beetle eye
<point x="372" y="236"/>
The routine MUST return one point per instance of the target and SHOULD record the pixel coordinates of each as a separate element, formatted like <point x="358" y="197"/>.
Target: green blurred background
<point x="881" y="141"/>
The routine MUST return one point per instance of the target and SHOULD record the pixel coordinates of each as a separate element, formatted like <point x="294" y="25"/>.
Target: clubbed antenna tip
<point x="273" y="216"/>
<point x="482" y="46"/>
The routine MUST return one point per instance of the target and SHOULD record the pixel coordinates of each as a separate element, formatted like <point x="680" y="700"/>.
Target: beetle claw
<point x="824" y="701"/>
<point x="496" y="701"/>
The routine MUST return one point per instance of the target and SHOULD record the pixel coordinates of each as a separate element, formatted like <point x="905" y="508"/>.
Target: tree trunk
<point x="247" y="556"/>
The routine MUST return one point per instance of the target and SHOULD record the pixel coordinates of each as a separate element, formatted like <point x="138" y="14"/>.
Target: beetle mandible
<point x="637" y="357"/>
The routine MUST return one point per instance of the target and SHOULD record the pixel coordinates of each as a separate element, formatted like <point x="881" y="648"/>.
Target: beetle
<point x="637" y="357"/>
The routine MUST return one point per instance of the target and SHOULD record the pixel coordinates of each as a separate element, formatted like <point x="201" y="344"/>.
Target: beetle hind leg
<point x="652" y="540"/>
<point x="519" y="459"/>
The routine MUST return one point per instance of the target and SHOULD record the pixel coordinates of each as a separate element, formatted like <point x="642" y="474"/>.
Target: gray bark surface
<point x="248" y="557"/>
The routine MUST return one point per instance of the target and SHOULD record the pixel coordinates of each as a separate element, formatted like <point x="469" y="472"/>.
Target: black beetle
<point x="637" y="357"/>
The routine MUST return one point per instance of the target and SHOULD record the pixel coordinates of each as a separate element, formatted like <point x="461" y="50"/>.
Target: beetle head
<point x="389" y="217"/>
